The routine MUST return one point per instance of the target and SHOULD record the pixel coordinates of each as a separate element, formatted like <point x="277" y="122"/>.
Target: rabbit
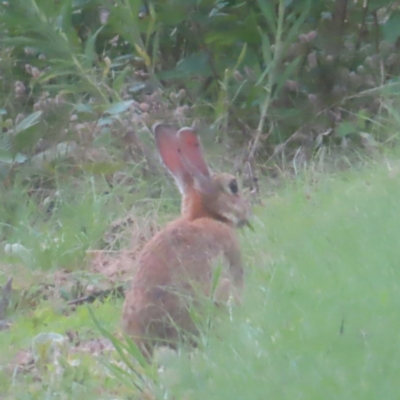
<point x="177" y="265"/>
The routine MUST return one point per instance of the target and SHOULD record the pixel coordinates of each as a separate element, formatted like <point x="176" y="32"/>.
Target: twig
<point x="362" y="27"/>
<point x="5" y="298"/>
<point x="101" y="294"/>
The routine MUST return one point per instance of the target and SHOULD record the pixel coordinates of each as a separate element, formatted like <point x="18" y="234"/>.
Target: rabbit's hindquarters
<point x="176" y="272"/>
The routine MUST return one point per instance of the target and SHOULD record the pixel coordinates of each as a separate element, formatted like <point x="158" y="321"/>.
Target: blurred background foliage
<point x="274" y="87"/>
<point x="85" y="79"/>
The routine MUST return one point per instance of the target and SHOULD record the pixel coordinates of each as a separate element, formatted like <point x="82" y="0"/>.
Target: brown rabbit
<point x="176" y="266"/>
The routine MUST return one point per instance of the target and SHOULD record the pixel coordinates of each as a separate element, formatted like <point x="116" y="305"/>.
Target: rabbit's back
<point x="174" y="268"/>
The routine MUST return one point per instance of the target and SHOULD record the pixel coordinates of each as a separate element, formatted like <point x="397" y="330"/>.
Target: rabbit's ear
<point x="169" y="148"/>
<point x="191" y="152"/>
<point x="193" y="160"/>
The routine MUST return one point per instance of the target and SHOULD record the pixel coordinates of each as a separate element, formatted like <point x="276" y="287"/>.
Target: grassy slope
<point x="321" y="318"/>
<point x="321" y="315"/>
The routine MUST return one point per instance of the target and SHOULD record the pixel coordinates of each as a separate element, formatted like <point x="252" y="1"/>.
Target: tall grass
<point x="321" y="314"/>
<point x="320" y="317"/>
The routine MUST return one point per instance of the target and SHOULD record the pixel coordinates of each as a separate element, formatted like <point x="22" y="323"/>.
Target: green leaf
<point x="241" y="56"/>
<point x="266" y="49"/>
<point x="84" y="108"/>
<point x="80" y="3"/>
<point x="195" y="64"/>
<point x="105" y="121"/>
<point x="156" y="46"/>
<point x="118" y="108"/>
<point x="270" y="61"/>
<point x="170" y="19"/>
<point x="137" y="87"/>
<point x="391" y="28"/>
<point x="20" y="158"/>
<point x="119" y="80"/>
<point x="345" y="128"/>
<point x="220" y="38"/>
<point x="374" y="5"/>
<point x="124" y="20"/>
<point x="28" y="122"/>
<point x="267" y="8"/>
<point x="64" y="19"/>
<point x="6" y="157"/>
<point x="90" y="49"/>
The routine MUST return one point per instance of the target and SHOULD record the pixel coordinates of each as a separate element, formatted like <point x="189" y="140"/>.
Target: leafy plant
<point x="282" y="73"/>
<point x="64" y="63"/>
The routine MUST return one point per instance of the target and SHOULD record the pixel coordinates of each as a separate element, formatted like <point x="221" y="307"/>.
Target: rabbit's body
<point x="176" y="267"/>
<point x="178" y="275"/>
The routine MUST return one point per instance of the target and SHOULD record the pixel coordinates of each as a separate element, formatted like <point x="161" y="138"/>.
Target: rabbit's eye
<point x="233" y="187"/>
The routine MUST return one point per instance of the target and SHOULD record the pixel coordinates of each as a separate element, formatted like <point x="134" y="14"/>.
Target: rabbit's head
<point x="204" y="194"/>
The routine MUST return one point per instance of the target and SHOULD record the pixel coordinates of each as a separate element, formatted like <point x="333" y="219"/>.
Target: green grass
<point x="321" y="315"/>
<point x="320" y="318"/>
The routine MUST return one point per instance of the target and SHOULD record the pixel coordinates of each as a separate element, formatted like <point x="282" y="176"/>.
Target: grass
<point x="321" y="313"/>
<point x="320" y="317"/>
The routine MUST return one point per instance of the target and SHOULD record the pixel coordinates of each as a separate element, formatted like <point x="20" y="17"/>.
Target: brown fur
<point x="175" y="268"/>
